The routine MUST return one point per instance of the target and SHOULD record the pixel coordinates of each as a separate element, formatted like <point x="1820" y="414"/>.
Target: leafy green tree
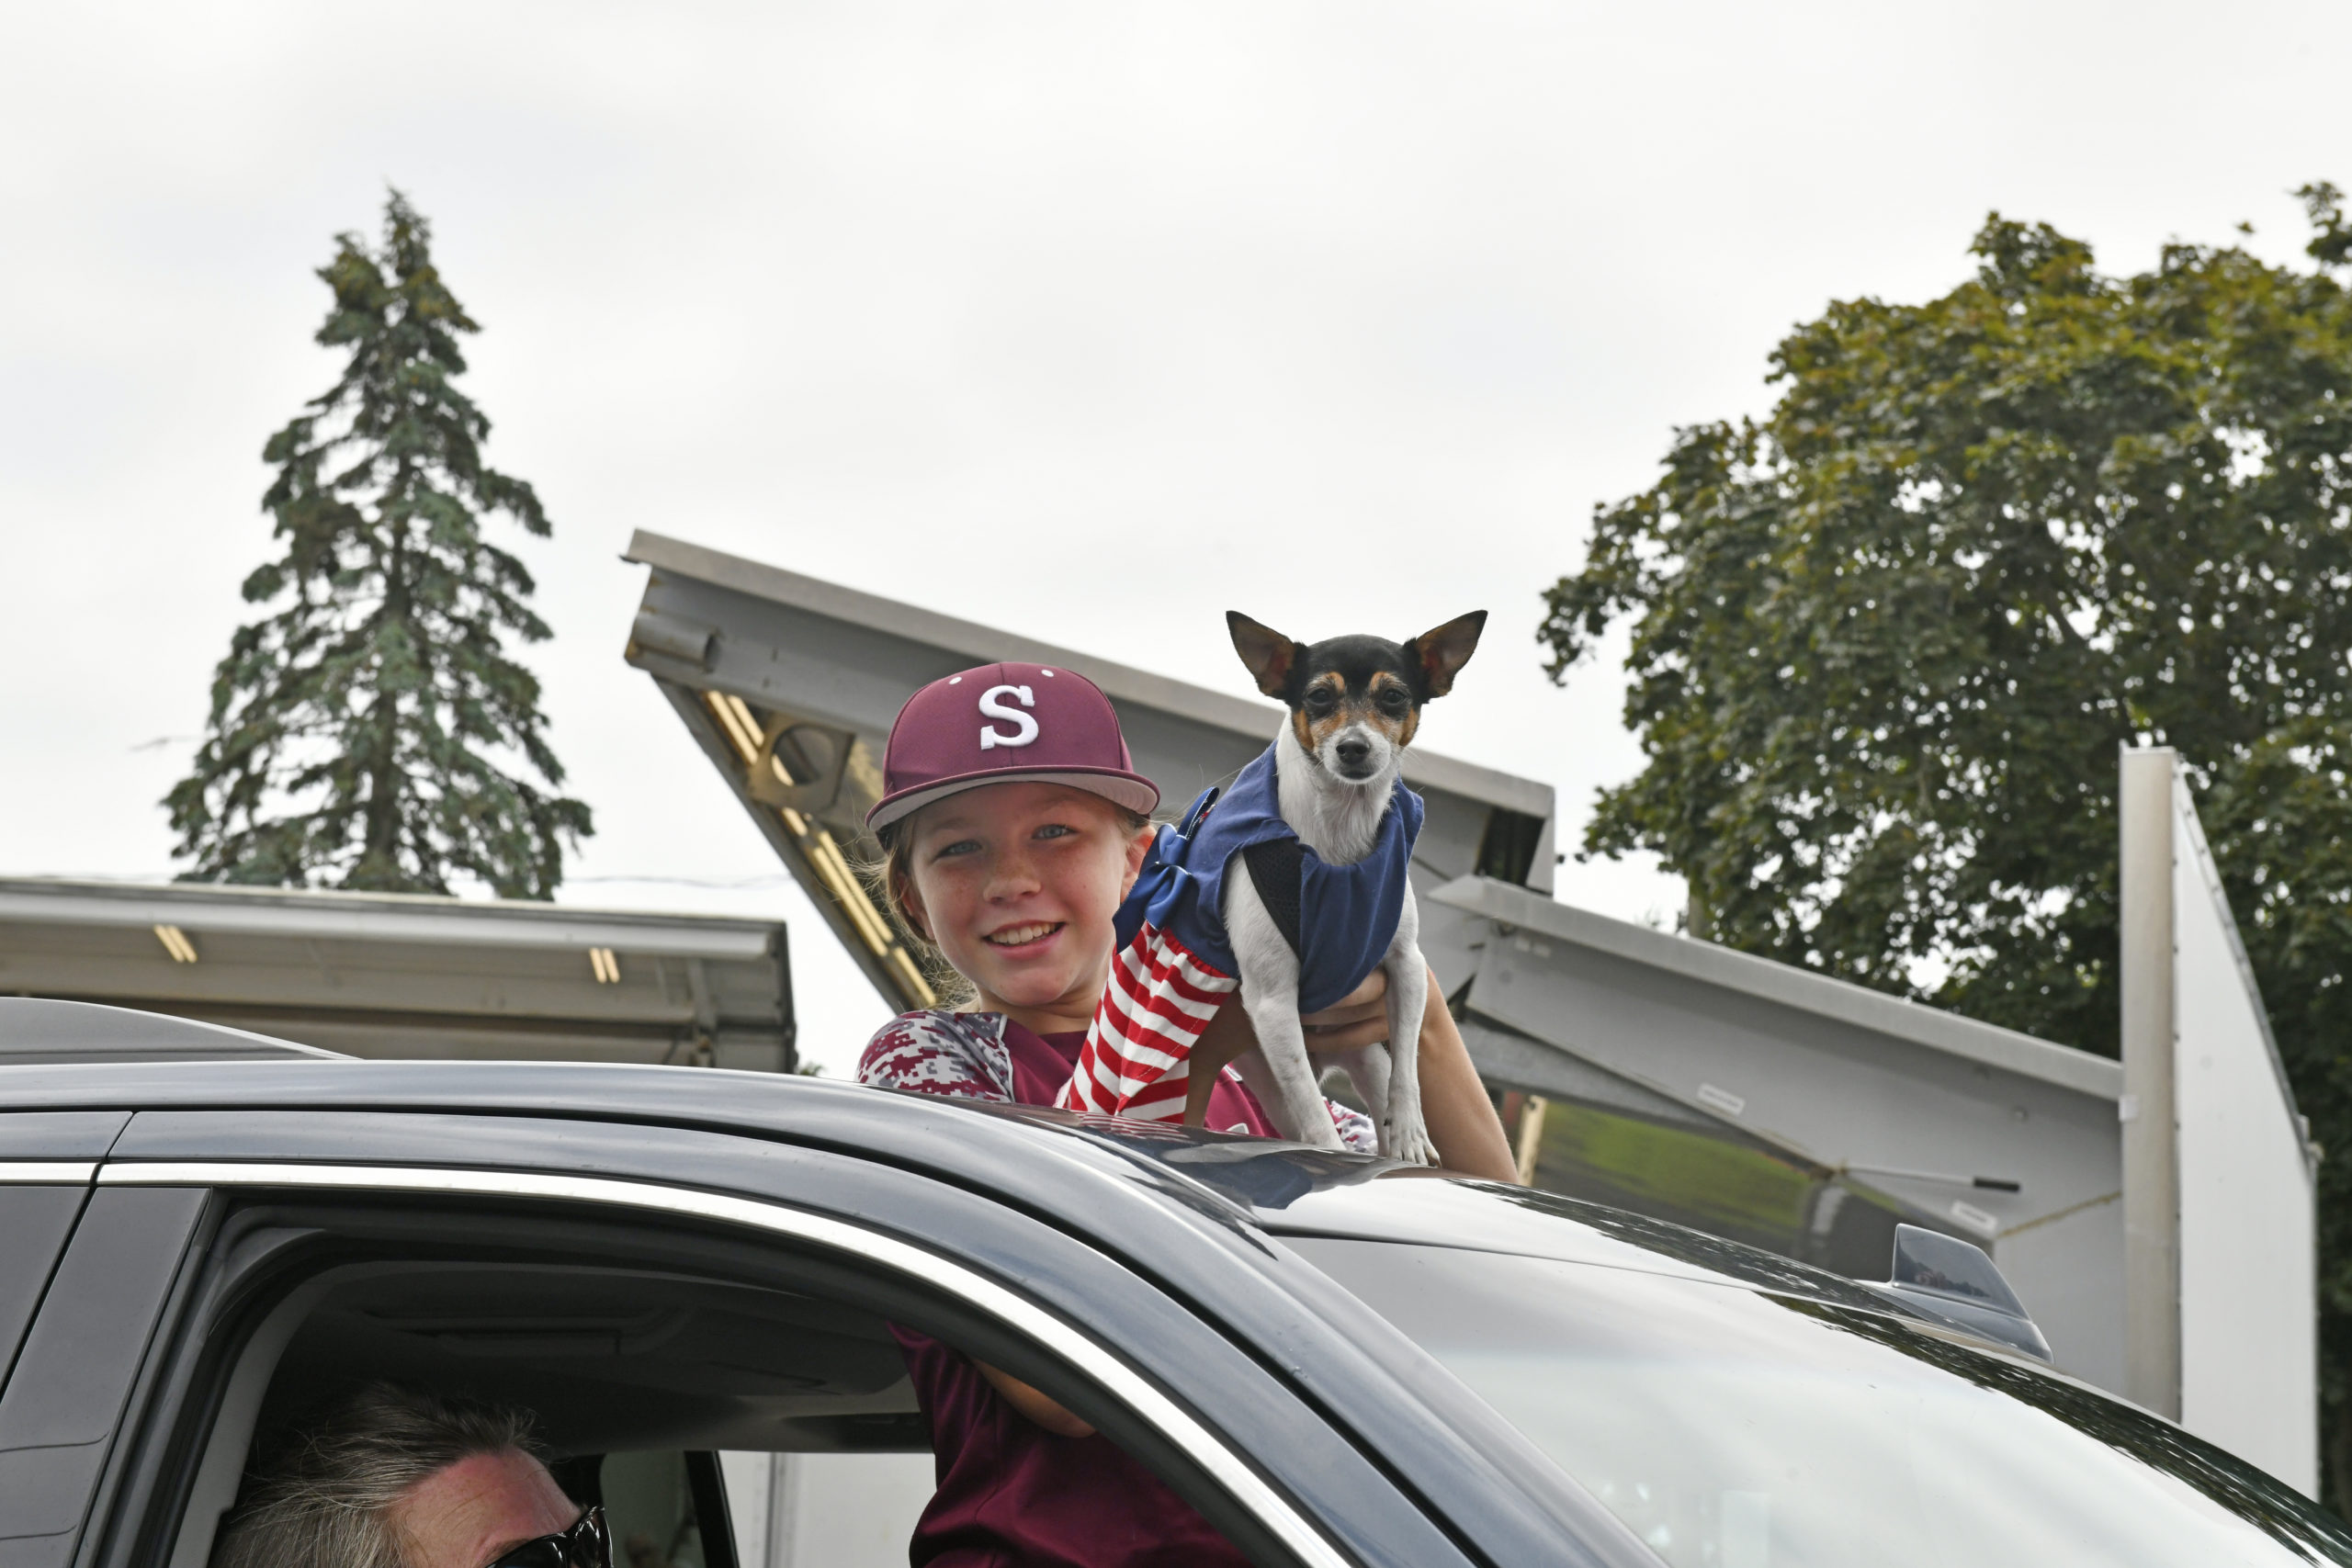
<point x="1887" y="640"/>
<point x="371" y="731"/>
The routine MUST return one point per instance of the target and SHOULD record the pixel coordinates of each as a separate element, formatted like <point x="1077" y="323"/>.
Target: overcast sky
<point x="1091" y="320"/>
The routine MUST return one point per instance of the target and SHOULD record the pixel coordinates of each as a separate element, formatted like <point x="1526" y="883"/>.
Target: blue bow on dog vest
<point x="1344" y="916"/>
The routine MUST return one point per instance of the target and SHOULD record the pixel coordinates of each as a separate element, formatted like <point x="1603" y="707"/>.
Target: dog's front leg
<point x="1270" y="992"/>
<point x="1404" y="1133"/>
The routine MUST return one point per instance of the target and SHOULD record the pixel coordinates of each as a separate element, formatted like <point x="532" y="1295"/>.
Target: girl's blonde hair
<point x="889" y="877"/>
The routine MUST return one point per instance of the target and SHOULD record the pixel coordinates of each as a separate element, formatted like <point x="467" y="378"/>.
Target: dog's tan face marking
<point x="1323" y="711"/>
<point x="1388" y="707"/>
<point x="1302" y="729"/>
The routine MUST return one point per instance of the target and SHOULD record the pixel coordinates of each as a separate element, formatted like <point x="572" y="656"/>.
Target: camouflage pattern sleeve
<point x="960" y="1055"/>
<point x="1355" y="1128"/>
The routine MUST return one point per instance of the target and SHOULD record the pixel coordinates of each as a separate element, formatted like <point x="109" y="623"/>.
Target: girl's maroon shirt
<point x="1011" y="1493"/>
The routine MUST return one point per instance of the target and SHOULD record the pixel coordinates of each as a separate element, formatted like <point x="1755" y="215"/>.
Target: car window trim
<point x="47" y="1172"/>
<point x="1221" y="1463"/>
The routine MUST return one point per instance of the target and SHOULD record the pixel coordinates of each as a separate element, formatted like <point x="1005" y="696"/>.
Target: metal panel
<point x="1715" y="968"/>
<point x="379" y="974"/>
<point x="826" y="851"/>
<point x="894" y="627"/>
<point x="2151" y="1172"/>
<point x="1980" y="1130"/>
<point x="789" y="685"/>
<point x="305" y="915"/>
<point x="2249" y="1350"/>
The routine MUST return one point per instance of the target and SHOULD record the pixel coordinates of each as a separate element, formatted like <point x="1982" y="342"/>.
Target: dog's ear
<point x="1444" y="650"/>
<point x="1272" y="657"/>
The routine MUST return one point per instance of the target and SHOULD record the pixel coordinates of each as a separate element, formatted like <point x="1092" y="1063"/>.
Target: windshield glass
<point x="1732" y="1428"/>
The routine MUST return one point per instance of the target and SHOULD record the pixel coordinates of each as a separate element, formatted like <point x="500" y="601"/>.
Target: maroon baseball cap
<point x="1005" y="724"/>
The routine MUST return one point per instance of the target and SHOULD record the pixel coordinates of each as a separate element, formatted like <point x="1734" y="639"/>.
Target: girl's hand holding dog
<point x="1461" y="1120"/>
<point x="1358" y="1020"/>
<point x="1355" y="1021"/>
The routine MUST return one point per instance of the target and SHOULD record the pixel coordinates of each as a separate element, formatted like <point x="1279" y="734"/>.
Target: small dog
<point x="1354" y="704"/>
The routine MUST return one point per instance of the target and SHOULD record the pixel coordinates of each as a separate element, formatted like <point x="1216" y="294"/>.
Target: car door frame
<point x="1344" y="1414"/>
<point x="1313" y="1514"/>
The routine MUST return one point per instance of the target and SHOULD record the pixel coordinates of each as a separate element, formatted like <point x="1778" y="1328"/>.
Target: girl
<point x="1012" y="824"/>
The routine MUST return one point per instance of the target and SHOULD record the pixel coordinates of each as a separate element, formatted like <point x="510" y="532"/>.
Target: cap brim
<point x="1133" y="790"/>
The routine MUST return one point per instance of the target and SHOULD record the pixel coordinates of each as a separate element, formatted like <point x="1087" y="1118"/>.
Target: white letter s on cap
<point x="1025" y="725"/>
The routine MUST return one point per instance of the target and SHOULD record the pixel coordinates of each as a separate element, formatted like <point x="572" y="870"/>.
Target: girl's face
<point x="1018" y="884"/>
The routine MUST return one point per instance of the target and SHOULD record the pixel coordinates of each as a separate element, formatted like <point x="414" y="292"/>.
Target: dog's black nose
<point x="1353" y="753"/>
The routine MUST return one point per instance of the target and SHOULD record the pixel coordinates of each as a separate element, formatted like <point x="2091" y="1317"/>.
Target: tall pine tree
<point x="371" y="732"/>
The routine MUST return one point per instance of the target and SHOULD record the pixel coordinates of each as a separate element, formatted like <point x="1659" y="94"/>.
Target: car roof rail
<point x="40" y="1031"/>
<point x="1941" y="1276"/>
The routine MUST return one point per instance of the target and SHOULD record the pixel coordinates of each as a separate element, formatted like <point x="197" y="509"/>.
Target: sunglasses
<point x="587" y="1544"/>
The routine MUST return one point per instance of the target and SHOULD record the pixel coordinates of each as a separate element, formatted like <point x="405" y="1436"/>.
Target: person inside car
<point x="1006" y="854"/>
<point x="395" y="1478"/>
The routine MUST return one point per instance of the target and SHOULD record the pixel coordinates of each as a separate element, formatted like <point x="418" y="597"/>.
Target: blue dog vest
<point x="1345" y="916"/>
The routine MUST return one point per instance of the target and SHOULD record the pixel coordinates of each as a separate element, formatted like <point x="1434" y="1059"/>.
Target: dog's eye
<point x="1392" y="700"/>
<point x="1321" y="700"/>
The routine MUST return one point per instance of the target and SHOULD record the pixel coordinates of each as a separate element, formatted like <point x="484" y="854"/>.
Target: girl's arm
<point x="1042" y="1409"/>
<point x="1462" y="1124"/>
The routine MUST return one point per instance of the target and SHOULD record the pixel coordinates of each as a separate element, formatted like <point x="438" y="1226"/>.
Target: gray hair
<point x="327" y="1500"/>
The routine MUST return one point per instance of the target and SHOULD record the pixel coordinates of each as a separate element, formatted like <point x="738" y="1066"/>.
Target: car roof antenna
<point x="1945" y="1277"/>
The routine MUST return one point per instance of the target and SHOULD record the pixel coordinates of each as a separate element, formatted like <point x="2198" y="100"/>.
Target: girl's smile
<point x="1029" y="936"/>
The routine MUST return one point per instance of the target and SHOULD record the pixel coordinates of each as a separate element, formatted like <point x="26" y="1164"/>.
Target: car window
<point x="1732" y="1428"/>
<point x="641" y="1370"/>
<point x="610" y="1356"/>
<point x="651" y="1510"/>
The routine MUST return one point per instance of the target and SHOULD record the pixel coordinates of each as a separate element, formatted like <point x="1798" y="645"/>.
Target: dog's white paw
<point x="1407" y="1141"/>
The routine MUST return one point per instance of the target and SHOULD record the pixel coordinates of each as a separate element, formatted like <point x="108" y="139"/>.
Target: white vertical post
<point x="2151" y="1137"/>
<point x="787" y="1513"/>
<point x="2249" y="1350"/>
<point x="749" y="1479"/>
<point x="846" y="1510"/>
